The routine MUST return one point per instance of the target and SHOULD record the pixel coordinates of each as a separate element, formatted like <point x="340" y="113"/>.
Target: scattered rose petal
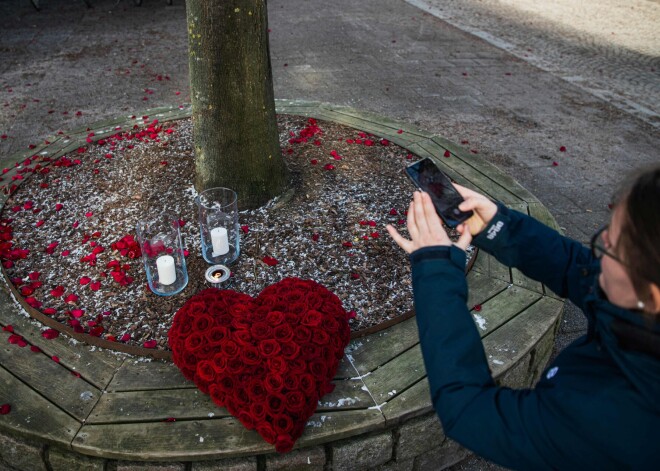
<point x="170" y="419"/>
<point x="58" y="206"/>
<point x="125" y="337"/>
<point x="89" y="214"/>
<point x="347" y="244"/>
<point x="270" y="261"/>
<point x="95" y="285"/>
<point x="400" y="131"/>
<point x="447" y="153"/>
<point x="352" y="314"/>
<point x="393" y="212"/>
<point x="55" y="358"/>
<point x="85" y="280"/>
<point x="355" y="276"/>
<point x="315" y="237"/>
<point x="5" y="409"/>
<point x="555" y="164"/>
<point x="8" y="328"/>
<point x="150" y="344"/>
<point x="384" y="142"/>
<point x="314" y="161"/>
<point x="76" y="374"/>
<point x="35" y="349"/>
<point x="329" y="167"/>
<point x="70" y="299"/>
<point x="477" y="307"/>
<point x="375" y="235"/>
<point x="562" y="149"/>
<point x="245" y="228"/>
<point x="50" y="334"/>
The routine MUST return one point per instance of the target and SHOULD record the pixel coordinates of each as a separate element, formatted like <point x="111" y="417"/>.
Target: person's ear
<point x="655" y="296"/>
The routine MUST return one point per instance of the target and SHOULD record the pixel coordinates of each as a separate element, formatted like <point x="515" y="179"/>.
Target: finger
<point x="401" y="241"/>
<point x="432" y="219"/>
<point x="465" y="192"/>
<point x="420" y="215"/>
<point x="410" y="221"/>
<point x="465" y="238"/>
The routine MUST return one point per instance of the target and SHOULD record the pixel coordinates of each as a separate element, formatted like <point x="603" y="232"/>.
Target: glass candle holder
<point x="162" y="253"/>
<point x="218" y="225"/>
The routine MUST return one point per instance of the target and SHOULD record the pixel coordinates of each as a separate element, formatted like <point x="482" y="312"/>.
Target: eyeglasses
<point x="599" y="246"/>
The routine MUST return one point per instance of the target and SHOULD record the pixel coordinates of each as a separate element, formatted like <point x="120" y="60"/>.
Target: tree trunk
<point x="233" y="106"/>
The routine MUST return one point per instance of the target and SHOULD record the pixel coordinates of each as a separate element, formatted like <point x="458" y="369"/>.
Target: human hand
<point x="425" y="227"/>
<point x="484" y="209"/>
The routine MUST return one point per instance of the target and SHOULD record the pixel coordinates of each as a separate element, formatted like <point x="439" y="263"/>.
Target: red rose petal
<point x="477" y="307"/>
<point x="55" y="358"/>
<point x="89" y="214"/>
<point x="315" y="237"/>
<point x="35" y="349"/>
<point x="355" y="276"/>
<point x="58" y="206"/>
<point x="125" y="337"/>
<point x="400" y="131"/>
<point x="50" y="334"/>
<point x="562" y="149"/>
<point x="329" y="167"/>
<point x="150" y="344"/>
<point x="555" y="164"/>
<point x="5" y="409"/>
<point x="314" y="161"/>
<point x="347" y="244"/>
<point x="447" y="153"/>
<point x="393" y="212"/>
<point x="245" y="229"/>
<point x="84" y="280"/>
<point x="8" y="328"/>
<point x="170" y="419"/>
<point x="270" y="261"/>
<point x="95" y="285"/>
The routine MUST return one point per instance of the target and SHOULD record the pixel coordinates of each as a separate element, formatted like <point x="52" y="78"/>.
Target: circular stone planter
<point x="93" y="408"/>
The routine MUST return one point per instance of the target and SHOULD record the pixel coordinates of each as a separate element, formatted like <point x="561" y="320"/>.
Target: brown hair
<point x="639" y="239"/>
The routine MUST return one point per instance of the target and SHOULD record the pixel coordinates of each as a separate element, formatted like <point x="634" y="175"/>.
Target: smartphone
<point x="426" y="175"/>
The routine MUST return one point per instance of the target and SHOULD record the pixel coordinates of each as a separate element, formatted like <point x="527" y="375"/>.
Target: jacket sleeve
<point x="497" y="423"/>
<point x="539" y="252"/>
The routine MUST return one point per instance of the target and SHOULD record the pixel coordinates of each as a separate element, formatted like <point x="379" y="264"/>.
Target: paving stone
<point x="21" y="454"/>
<point x="444" y="456"/>
<point x="149" y="466"/>
<point x="307" y="459"/>
<point x="362" y="452"/>
<point x="396" y="465"/>
<point x="63" y="460"/>
<point x="419" y="436"/>
<point x="231" y="464"/>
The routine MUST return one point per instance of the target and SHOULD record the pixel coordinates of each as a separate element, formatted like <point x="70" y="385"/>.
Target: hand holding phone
<point x="428" y="177"/>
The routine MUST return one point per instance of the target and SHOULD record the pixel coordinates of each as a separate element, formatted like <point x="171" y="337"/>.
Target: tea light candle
<point x="217" y="276"/>
<point x="166" y="270"/>
<point x="220" y="241"/>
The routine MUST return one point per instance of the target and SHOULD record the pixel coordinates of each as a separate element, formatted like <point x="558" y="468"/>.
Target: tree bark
<point x="233" y="106"/>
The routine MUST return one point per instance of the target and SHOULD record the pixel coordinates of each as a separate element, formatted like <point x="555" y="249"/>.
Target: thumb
<point x="465" y="238"/>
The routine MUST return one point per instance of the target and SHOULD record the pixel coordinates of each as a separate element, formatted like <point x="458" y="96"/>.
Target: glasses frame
<point x="597" y="250"/>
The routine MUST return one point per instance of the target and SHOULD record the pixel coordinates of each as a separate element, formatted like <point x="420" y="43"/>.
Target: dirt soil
<point x="66" y="219"/>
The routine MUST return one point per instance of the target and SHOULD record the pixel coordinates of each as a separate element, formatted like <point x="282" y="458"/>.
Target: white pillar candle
<point x="220" y="241"/>
<point x="166" y="270"/>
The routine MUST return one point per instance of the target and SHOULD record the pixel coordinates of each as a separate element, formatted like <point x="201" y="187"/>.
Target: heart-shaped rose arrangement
<point x="268" y="360"/>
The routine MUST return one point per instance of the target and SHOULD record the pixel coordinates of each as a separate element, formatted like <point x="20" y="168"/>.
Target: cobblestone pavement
<point x="610" y="48"/>
<point x="385" y="56"/>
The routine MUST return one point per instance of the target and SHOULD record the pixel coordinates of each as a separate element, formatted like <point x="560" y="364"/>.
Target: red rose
<point x="226" y="384"/>
<point x="330" y="325"/>
<point x="241" y="396"/>
<point x="312" y="318"/>
<point x="291" y="382"/>
<point x="217" y="394"/>
<point x="219" y="363"/>
<point x="282" y="424"/>
<point x="291" y="318"/>
<point x="259" y="314"/>
<point x="203" y="322"/>
<point x="318" y="369"/>
<point x="256" y="390"/>
<point x="269" y="348"/>
<point x="275" y="318"/>
<point x="307" y="383"/>
<point x="294" y="296"/>
<point x="311" y="351"/>
<point x="295" y="401"/>
<point x="302" y="334"/>
<point x="273" y="383"/>
<point x="275" y="404"/>
<point x="266" y="431"/>
<point x="314" y="300"/>
<point x="229" y="348"/>
<point x="267" y="300"/>
<point x="277" y="364"/>
<point x="246" y="419"/>
<point x="297" y="365"/>
<point x="290" y="350"/>
<point x="258" y="410"/>
<point x="235" y="365"/>
<point x="240" y="322"/>
<point x="205" y="370"/>
<point x="261" y="331"/>
<point x="284" y="443"/>
<point x="250" y="355"/>
<point x="283" y="333"/>
<point x="320" y="337"/>
<point x="298" y="308"/>
<point x="327" y="388"/>
<point x="242" y="337"/>
<point x="217" y="334"/>
<point x="194" y="341"/>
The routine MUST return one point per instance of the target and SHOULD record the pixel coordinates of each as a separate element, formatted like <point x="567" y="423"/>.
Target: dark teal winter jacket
<point x="597" y="406"/>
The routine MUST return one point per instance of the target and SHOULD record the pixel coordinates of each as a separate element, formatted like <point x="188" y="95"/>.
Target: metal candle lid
<point x="217" y="274"/>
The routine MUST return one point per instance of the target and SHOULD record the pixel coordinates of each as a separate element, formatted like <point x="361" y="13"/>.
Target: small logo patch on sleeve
<point x="551" y="372"/>
<point x="492" y="232"/>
